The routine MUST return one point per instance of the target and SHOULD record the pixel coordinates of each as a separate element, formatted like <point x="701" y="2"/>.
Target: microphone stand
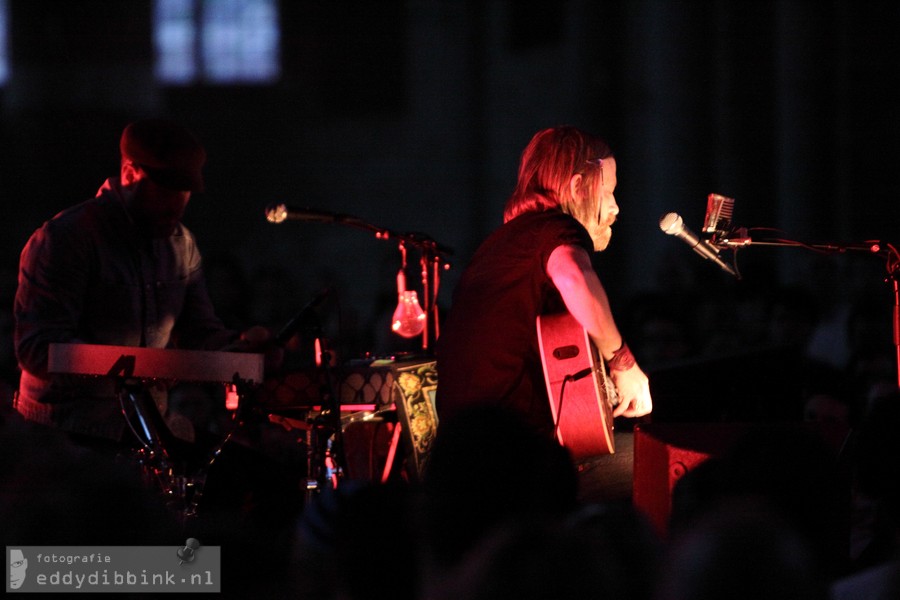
<point x="432" y="261"/>
<point x="739" y="238"/>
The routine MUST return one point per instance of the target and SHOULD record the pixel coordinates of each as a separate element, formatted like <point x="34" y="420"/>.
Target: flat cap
<point x="170" y="154"/>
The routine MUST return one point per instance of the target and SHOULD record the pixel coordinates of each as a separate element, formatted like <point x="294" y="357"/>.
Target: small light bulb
<point x="409" y="318"/>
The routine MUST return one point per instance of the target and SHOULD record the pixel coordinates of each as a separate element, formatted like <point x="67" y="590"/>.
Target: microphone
<point x="278" y="213"/>
<point x="672" y="224"/>
<point x="719" y="209"/>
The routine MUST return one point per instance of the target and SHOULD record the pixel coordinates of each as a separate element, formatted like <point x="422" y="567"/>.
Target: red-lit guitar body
<point x="581" y="407"/>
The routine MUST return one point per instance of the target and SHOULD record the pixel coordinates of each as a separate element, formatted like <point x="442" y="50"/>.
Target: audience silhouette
<point x="800" y="511"/>
<point x="740" y="550"/>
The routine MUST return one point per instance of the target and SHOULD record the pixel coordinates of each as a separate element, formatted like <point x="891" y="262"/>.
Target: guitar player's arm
<point x="570" y="269"/>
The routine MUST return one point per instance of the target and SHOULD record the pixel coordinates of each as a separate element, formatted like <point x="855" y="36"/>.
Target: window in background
<point x="216" y="41"/>
<point x="4" y="36"/>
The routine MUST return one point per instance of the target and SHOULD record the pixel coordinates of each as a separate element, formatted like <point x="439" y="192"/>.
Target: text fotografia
<point x="74" y="558"/>
<point x="106" y="578"/>
<point x="184" y="567"/>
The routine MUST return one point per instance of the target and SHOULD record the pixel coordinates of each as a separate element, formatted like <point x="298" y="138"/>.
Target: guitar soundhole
<point x="565" y="352"/>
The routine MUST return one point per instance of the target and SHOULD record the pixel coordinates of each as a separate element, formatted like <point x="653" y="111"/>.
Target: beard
<point x="585" y="211"/>
<point x="600" y="235"/>
<point x="155" y="215"/>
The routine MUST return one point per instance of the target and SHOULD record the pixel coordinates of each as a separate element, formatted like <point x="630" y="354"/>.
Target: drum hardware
<point x="326" y="464"/>
<point x="397" y="392"/>
<point x="133" y="369"/>
<point x="181" y="483"/>
<point x="151" y="456"/>
<point x="326" y="459"/>
<point x="323" y="466"/>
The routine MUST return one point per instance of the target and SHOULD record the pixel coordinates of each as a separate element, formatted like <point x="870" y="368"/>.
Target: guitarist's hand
<point x="633" y="388"/>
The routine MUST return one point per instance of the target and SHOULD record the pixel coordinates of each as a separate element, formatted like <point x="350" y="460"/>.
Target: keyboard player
<point x="117" y="269"/>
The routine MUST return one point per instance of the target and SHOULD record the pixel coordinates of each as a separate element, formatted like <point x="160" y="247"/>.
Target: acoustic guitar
<point x="581" y="393"/>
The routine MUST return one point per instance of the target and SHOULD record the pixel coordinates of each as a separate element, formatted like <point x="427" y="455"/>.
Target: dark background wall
<point x="411" y="114"/>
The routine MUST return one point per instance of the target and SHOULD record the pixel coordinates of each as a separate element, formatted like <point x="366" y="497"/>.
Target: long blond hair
<point x="547" y="165"/>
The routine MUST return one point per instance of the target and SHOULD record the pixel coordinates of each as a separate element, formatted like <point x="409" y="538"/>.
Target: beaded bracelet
<point x="622" y="359"/>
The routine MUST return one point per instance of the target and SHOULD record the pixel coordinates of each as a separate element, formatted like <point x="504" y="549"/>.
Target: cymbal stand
<point x="324" y="434"/>
<point x="190" y="489"/>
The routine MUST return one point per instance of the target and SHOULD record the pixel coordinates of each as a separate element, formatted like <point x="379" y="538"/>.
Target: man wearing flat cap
<point x="118" y="269"/>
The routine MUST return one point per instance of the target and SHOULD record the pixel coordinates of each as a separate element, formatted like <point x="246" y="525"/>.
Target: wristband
<point x="622" y="359"/>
